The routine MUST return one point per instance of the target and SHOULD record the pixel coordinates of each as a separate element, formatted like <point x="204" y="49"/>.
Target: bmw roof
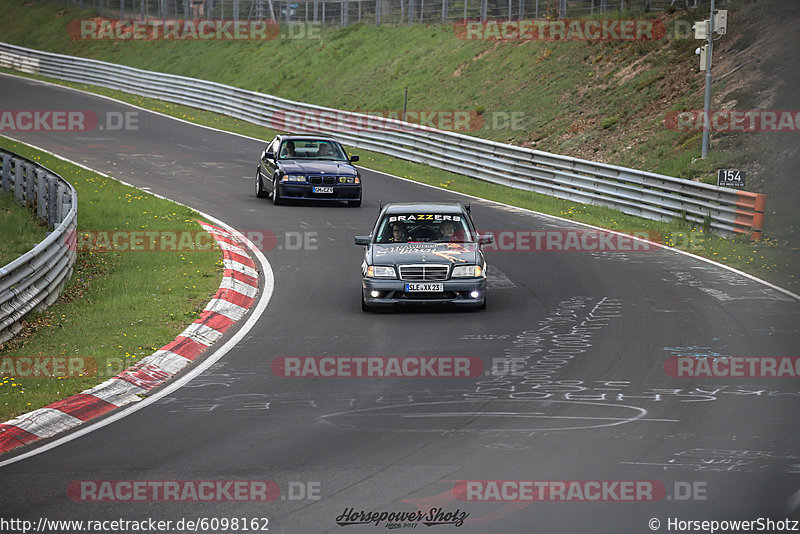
<point x="306" y="136"/>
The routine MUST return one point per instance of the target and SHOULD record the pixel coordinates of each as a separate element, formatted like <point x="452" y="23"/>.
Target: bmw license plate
<point x="425" y="288"/>
<point x="323" y="189"/>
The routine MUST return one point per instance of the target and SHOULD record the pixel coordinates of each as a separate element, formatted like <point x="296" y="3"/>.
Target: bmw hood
<point x="335" y="168"/>
<point x="404" y="253"/>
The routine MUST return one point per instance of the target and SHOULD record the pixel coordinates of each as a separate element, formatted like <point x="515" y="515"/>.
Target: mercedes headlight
<point x="467" y="271"/>
<point x="380" y="271"/>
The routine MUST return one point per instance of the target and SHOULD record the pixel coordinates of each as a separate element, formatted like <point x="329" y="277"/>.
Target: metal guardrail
<point x="653" y="196"/>
<point x="33" y="281"/>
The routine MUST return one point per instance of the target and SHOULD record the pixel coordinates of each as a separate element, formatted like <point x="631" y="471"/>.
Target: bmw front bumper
<point x="306" y="191"/>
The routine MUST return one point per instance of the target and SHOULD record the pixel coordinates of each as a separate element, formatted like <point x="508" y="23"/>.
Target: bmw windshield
<point x="316" y="149"/>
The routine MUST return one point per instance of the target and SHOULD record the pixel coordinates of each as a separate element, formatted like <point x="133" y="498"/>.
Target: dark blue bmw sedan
<point x="307" y="167"/>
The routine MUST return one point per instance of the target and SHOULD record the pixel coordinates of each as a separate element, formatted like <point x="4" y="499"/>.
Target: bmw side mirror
<point x="353" y="158"/>
<point x="487" y="239"/>
<point x="362" y="240"/>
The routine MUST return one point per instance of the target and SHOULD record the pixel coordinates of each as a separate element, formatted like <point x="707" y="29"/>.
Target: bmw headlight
<point x="348" y="180"/>
<point x="380" y="271"/>
<point x="467" y="271"/>
<point x="293" y="178"/>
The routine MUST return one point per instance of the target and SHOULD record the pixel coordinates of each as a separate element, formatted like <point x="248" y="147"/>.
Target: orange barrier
<point x="751" y="213"/>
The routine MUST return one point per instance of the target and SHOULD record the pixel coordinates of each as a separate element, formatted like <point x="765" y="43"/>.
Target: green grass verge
<point x="20" y="230"/>
<point x="118" y="306"/>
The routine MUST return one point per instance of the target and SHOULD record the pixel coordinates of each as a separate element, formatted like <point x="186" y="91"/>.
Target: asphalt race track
<point x="603" y="408"/>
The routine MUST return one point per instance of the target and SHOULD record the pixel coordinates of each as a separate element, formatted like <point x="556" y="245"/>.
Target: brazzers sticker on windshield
<point x="425" y="217"/>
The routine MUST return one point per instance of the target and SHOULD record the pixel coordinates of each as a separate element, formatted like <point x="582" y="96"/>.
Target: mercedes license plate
<point x="425" y="288"/>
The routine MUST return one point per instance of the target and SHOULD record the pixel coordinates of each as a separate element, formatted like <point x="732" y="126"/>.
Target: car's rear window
<point x="423" y="227"/>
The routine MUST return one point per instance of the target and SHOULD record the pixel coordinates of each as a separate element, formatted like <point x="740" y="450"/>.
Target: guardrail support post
<point x="30" y="185"/>
<point x="19" y="181"/>
<point x="52" y="199"/>
<point x="41" y="194"/>
<point x="6" y="182"/>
